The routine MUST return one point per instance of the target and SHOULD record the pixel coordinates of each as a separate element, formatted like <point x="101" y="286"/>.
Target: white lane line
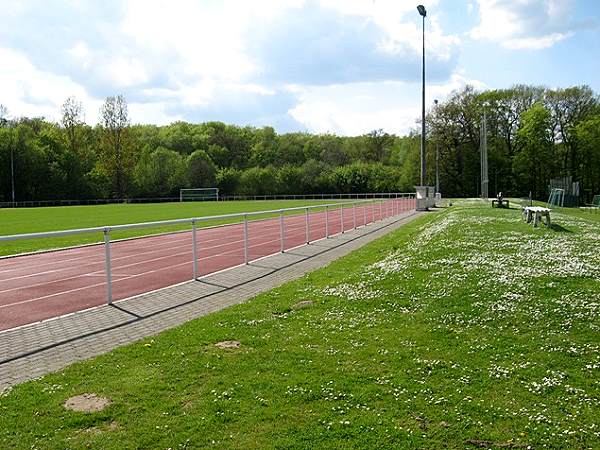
<point x="358" y="224"/>
<point x="163" y="237"/>
<point x="137" y="254"/>
<point x="130" y="277"/>
<point x="155" y="249"/>
<point x="142" y="262"/>
<point x="317" y="226"/>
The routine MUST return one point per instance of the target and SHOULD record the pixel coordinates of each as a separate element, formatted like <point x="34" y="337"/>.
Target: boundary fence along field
<point x="39" y="286"/>
<point x="109" y="201"/>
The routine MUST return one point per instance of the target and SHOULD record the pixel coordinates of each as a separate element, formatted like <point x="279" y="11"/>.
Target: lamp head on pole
<point x="422" y="10"/>
<point x="435" y="102"/>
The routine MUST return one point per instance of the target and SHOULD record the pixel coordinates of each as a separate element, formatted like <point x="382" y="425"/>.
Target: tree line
<point x="114" y="159"/>
<point x="534" y="134"/>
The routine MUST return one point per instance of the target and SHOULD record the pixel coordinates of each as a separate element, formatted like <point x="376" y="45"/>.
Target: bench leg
<point x="548" y="223"/>
<point x="536" y="219"/>
<point x="529" y="216"/>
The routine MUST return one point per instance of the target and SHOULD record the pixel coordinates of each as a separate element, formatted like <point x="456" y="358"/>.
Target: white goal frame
<point x="557" y="198"/>
<point x="201" y="194"/>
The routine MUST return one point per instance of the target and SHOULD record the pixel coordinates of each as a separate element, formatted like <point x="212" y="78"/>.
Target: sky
<point x="321" y="66"/>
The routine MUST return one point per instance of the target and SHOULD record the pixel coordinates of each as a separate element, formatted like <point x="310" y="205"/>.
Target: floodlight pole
<point x="437" y="160"/>
<point x="423" y="13"/>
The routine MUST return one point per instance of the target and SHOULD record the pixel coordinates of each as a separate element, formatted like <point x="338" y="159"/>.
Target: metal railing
<point x="398" y="206"/>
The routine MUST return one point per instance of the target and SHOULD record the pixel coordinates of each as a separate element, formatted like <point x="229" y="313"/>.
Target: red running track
<point x="41" y="286"/>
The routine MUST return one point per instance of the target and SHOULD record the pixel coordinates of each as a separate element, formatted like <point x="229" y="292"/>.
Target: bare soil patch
<point x="87" y="403"/>
<point x="303" y="304"/>
<point x="228" y="345"/>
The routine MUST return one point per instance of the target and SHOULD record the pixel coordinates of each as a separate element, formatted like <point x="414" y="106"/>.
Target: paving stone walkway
<point x="34" y="350"/>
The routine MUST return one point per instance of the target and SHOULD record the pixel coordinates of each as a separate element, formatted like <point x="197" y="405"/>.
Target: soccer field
<point x="33" y="220"/>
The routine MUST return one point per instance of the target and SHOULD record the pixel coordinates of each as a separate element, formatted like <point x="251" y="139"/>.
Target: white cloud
<point x="203" y="60"/>
<point x="354" y="109"/>
<point x="27" y="91"/>
<point x="81" y="54"/>
<point x="125" y="72"/>
<point x="154" y="113"/>
<point x="537" y="43"/>
<point x="525" y="24"/>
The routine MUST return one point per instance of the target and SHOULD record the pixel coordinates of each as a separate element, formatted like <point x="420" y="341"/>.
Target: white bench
<point x="536" y="213"/>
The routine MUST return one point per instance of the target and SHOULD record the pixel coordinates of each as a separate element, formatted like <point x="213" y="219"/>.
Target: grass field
<point x="33" y="220"/>
<point x="465" y="329"/>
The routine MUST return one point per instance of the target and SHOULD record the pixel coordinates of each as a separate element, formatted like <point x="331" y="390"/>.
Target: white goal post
<point x="557" y="197"/>
<point x="198" y="194"/>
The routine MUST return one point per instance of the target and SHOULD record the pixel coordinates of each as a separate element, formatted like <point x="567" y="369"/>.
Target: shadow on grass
<point x="559" y="229"/>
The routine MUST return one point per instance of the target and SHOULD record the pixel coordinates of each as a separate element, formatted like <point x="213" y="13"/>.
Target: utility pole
<point x="484" y="156"/>
<point x="12" y="165"/>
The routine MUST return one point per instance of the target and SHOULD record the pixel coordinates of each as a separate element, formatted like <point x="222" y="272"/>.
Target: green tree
<point x="265" y="151"/>
<point x="378" y="145"/>
<point x="219" y="155"/>
<point x="315" y="177"/>
<point x="290" y="180"/>
<point x="116" y="148"/>
<point x="77" y="158"/>
<point x="569" y="107"/>
<point x="160" y="173"/>
<point x="588" y="138"/>
<point x="201" y="170"/>
<point x="258" y="181"/>
<point x="228" y="180"/>
<point x="534" y="160"/>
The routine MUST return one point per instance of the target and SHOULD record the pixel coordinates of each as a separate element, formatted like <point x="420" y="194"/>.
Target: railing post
<point x="107" y="265"/>
<point x="354" y="215"/>
<point x="307" y="228"/>
<point x="195" y="249"/>
<point x="380" y="209"/>
<point x="281" y="232"/>
<point x="364" y="205"/>
<point x="245" y="238"/>
<point x="342" y="218"/>
<point x="326" y="221"/>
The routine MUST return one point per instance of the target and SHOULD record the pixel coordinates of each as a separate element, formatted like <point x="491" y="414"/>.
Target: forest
<point x="534" y="134"/>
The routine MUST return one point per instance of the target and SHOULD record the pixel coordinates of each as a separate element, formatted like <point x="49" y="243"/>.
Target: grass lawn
<point x="467" y="328"/>
<point x="33" y="220"/>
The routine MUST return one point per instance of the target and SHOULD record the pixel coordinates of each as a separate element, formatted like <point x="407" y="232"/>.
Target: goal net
<point x="557" y="198"/>
<point x="198" y="194"/>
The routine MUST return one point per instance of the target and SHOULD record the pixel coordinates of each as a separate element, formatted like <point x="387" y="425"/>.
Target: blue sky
<point x="340" y="66"/>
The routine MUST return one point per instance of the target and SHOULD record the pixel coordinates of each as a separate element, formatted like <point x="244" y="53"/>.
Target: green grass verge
<point x="464" y="328"/>
<point x="34" y="220"/>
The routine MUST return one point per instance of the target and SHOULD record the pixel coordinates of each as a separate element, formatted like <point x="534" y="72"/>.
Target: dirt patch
<point x="87" y="403"/>
<point x="113" y="426"/>
<point x="488" y="444"/>
<point x="228" y="344"/>
<point x="303" y="304"/>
